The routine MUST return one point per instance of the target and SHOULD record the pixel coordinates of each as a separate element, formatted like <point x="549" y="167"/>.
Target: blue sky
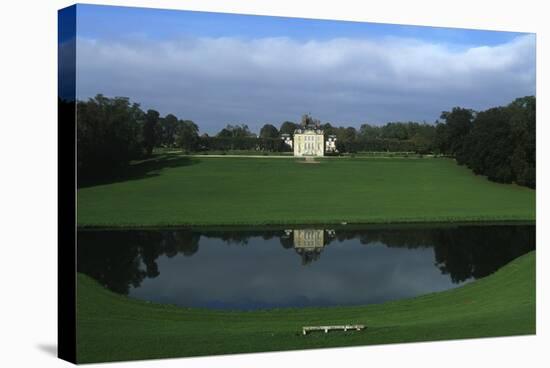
<point x="113" y="22"/>
<point x="218" y="68"/>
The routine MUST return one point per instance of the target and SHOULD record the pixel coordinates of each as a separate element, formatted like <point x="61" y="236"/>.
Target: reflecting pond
<point x="253" y="268"/>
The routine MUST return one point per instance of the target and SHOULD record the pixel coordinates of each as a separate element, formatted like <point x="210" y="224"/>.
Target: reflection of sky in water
<point x="248" y="268"/>
<point x="263" y="274"/>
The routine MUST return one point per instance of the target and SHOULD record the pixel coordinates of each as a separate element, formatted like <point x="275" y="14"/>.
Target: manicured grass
<point x="112" y="327"/>
<point x="179" y="190"/>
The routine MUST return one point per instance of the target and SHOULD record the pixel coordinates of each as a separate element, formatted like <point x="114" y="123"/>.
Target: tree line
<point x="498" y="142"/>
<point x="120" y="259"/>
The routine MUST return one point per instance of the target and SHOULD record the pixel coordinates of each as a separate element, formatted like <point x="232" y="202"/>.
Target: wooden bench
<point x="307" y="329"/>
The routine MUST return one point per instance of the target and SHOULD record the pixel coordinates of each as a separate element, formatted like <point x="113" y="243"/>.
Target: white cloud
<point x="216" y="81"/>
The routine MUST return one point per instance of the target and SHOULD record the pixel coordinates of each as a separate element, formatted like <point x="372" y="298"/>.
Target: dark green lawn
<point x="178" y="190"/>
<point x="112" y="327"/>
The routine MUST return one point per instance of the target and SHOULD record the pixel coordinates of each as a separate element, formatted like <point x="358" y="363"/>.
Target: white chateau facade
<point x="309" y="142"/>
<point x="309" y="139"/>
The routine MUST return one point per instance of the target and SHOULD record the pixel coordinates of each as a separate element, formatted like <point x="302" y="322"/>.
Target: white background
<point x="28" y="181"/>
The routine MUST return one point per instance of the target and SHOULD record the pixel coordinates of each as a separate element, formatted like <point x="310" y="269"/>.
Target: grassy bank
<point x="112" y="327"/>
<point x="179" y="190"/>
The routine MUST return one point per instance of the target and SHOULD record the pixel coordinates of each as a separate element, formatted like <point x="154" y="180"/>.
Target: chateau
<point x="309" y="139"/>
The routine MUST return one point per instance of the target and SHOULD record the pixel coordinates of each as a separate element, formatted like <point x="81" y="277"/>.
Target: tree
<point x="489" y="146"/>
<point x="234" y="131"/>
<point x="225" y="133"/>
<point x="234" y="137"/>
<point x="269" y="131"/>
<point x="149" y="130"/>
<point x="167" y="131"/>
<point x="421" y="143"/>
<point x="367" y="131"/>
<point x="523" y="125"/>
<point x="498" y="142"/>
<point x="328" y="129"/>
<point x="459" y="122"/>
<point x="288" y="127"/>
<point x="187" y="135"/>
<point x="395" y="131"/>
<point x="441" y="139"/>
<point x="108" y="136"/>
<point x="350" y="134"/>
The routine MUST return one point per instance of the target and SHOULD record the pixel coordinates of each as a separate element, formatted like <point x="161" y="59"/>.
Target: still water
<point x="253" y="268"/>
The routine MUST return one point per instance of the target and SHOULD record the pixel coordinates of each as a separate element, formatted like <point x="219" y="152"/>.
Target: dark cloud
<point x="215" y="81"/>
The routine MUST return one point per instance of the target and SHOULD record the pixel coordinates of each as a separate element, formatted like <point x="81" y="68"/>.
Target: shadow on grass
<point x="136" y="170"/>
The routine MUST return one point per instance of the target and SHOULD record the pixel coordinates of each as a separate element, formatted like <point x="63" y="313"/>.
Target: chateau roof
<point x="308" y="130"/>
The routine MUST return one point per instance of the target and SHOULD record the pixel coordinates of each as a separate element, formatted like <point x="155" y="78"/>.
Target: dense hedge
<point x="242" y="143"/>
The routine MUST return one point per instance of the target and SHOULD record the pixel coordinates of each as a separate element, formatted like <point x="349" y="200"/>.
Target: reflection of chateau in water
<point x="122" y="259"/>
<point x="309" y="243"/>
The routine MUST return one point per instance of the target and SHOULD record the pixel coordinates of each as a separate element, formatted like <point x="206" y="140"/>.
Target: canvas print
<point x="255" y="183"/>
